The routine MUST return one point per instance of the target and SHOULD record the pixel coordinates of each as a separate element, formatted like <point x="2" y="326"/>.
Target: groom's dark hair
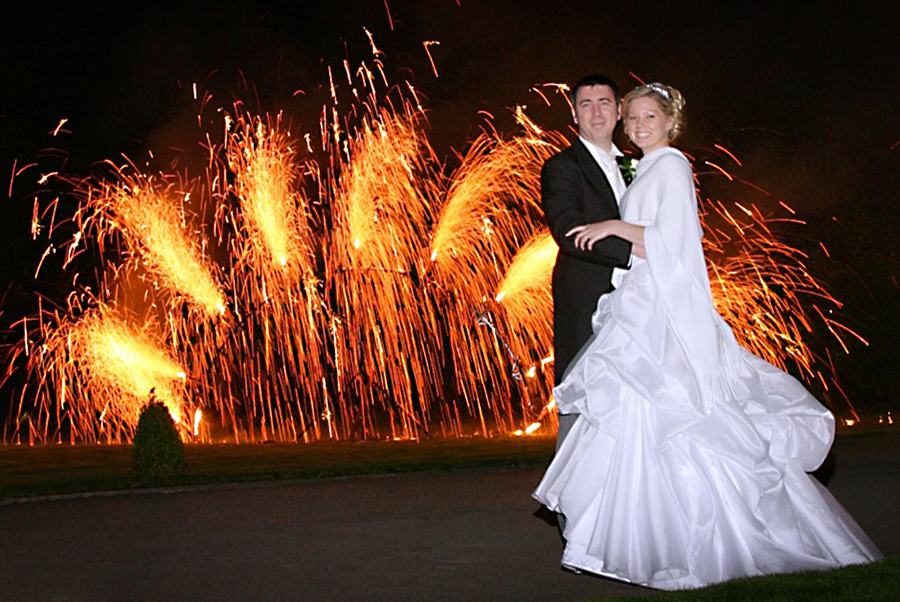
<point x="594" y="79"/>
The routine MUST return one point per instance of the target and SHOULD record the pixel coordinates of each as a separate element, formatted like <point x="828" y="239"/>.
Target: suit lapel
<point x="594" y="174"/>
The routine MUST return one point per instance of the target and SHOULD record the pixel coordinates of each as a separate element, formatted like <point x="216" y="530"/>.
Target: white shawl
<point x="662" y="198"/>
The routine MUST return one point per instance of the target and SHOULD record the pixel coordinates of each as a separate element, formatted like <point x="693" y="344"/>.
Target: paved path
<point x="456" y="537"/>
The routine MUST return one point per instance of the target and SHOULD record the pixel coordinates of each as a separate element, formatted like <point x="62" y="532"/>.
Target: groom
<point x="580" y="185"/>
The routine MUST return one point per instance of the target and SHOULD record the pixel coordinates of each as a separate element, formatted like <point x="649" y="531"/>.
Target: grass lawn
<point x="869" y="582"/>
<point x="70" y="469"/>
<point x="29" y="471"/>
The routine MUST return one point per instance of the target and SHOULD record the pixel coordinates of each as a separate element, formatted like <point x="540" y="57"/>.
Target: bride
<point x="687" y="465"/>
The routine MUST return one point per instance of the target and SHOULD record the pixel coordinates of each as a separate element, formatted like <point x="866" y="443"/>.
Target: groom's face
<point x="596" y="113"/>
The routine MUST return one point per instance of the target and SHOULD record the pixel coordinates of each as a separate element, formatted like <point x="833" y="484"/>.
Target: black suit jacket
<point x="575" y="191"/>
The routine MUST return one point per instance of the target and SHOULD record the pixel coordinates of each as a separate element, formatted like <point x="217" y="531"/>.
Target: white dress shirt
<point x="607" y="162"/>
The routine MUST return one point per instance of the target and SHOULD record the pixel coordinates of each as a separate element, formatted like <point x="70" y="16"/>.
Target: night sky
<point x="798" y="95"/>
<point x="807" y="97"/>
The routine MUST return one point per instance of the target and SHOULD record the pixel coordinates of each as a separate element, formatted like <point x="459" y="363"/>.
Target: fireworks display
<point x="382" y="295"/>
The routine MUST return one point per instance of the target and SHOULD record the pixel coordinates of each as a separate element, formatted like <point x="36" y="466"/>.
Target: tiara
<point x="660" y="90"/>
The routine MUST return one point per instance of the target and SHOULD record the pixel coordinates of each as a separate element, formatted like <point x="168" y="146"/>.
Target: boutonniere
<point x="628" y="167"/>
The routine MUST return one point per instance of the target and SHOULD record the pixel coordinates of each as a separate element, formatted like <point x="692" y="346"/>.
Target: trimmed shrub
<point x="158" y="450"/>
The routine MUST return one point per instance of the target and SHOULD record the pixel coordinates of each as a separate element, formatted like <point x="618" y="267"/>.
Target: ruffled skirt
<point x="661" y="491"/>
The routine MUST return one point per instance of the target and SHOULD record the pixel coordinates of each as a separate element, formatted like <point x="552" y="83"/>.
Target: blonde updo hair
<point x="669" y="99"/>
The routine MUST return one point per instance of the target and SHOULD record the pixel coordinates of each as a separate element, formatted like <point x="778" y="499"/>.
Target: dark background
<point x="807" y="99"/>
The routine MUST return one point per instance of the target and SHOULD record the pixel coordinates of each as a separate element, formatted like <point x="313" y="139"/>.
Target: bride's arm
<point x="588" y="234"/>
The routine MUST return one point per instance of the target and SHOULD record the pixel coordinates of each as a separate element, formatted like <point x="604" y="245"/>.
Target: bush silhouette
<point x="158" y="450"/>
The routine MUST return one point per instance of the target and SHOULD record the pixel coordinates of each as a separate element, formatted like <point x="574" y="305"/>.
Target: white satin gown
<point x="663" y="484"/>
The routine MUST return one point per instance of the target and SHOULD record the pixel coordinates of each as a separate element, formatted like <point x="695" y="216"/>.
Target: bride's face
<point x="646" y="124"/>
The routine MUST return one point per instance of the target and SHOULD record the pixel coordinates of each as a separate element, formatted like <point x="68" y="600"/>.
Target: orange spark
<point x="375" y="51"/>
<point x="729" y="153"/>
<point x="722" y="171"/>
<point x="58" y="127"/>
<point x="430" y="59"/>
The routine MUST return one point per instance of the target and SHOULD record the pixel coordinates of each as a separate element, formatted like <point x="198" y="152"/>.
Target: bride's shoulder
<point x="672" y="156"/>
<point x="672" y="161"/>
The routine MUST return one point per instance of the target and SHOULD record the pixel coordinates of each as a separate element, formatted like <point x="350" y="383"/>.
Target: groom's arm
<point x="561" y="199"/>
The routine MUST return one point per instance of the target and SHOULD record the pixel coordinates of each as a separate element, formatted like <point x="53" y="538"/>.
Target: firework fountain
<point x="399" y="300"/>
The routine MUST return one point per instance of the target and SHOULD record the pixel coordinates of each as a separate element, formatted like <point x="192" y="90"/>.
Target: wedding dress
<point x="688" y="464"/>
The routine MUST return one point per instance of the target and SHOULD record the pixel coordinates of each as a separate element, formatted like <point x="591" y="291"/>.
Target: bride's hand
<point x="588" y="234"/>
